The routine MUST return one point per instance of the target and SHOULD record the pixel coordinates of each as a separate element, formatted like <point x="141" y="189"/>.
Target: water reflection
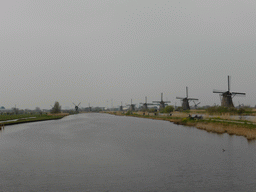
<point x="100" y="152"/>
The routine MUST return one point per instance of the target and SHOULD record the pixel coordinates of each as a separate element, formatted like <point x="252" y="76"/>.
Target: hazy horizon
<point x="98" y="51"/>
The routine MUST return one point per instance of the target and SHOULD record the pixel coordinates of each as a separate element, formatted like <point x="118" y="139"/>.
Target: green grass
<point x="10" y="117"/>
<point x="22" y="118"/>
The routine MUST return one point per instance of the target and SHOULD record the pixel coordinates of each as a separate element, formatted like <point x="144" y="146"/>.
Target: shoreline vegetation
<point x="6" y="120"/>
<point x="219" y="124"/>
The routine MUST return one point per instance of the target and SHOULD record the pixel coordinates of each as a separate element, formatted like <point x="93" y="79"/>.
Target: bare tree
<point x="56" y="108"/>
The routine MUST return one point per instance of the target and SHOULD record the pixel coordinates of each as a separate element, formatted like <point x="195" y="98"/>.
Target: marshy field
<point x="236" y="122"/>
<point x="218" y="120"/>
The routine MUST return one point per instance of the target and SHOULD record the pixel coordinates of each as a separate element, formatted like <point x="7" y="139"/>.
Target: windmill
<point x="76" y="107"/>
<point x="90" y="108"/>
<point x="121" y="107"/>
<point x="161" y="103"/>
<point x="226" y="96"/>
<point x="145" y="105"/>
<point x="196" y="104"/>
<point x="15" y="110"/>
<point x="240" y="105"/>
<point x="185" y="100"/>
<point x="132" y="106"/>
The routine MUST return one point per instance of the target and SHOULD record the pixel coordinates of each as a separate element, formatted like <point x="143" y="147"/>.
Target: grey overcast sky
<point x="95" y="51"/>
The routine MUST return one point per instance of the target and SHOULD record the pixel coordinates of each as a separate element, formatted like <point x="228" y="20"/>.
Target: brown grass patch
<point x="230" y="129"/>
<point x="58" y="114"/>
<point x="179" y="114"/>
<point x="220" y="128"/>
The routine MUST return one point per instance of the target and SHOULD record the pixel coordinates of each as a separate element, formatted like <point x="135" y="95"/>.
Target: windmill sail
<point x="76" y="107"/>
<point x="237" y="93"/>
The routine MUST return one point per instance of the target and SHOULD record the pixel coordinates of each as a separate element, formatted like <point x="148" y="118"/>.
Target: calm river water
<point x="101" y="152"/>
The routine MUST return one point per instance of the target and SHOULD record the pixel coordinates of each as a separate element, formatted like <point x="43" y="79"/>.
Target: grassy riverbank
<point x="25" y="118"/>
<point x="211" y="124"/>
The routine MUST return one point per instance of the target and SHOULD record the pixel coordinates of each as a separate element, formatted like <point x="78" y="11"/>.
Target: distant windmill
<point x="196" y="104"/>
<point x="15" y="110"/>
<point x="226" y="96"/>
<point x="121" y="107"/>
<point x="185" y="100"/>
<point x="240" y="105"/>
<point x="145" y="105"/>
<point x="161" y="103"/>
<point x="76" y="106"/>
<point x="132" y="106"/>
<point x="90" y="108"/>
